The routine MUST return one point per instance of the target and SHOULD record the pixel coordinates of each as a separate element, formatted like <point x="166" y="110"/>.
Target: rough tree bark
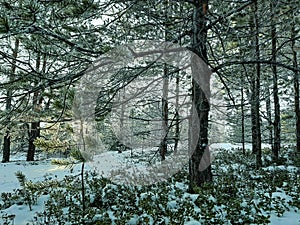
<point x="243" y="115"/>
<point x="276" y="124"/>
<point x="33" y="133"/>
<point x="177" y="90"/>
<point x="257" y="88"/>
<point x="7" y="140"/>
<point x="164" y="100"/>
<point x="34" y="128"/>
<point x="269" y="117"/>
<point x="199" y="173"/>
<point x="177" y="118"/>
<point x="165" y="114"/>
<point x="296" y="87"/>
<point x="253" y="89"/>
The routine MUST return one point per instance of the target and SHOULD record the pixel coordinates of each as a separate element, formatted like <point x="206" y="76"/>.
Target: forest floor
<point x="42" y="193"/>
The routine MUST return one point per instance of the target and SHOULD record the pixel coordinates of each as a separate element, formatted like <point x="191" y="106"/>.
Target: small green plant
<point x="8" y="219"/>
<point x="238" y="191"/>
<point x="296" y="159"/>
<point x="9" y="199"/>
<point x="28" y="191"/>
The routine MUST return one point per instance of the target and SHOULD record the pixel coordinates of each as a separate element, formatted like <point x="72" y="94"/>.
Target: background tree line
<point x="252" y="48"/>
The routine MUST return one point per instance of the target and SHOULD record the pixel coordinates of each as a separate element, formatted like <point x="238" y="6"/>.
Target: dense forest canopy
<point x="157" y="84"/>
<point x="251" y="47"/>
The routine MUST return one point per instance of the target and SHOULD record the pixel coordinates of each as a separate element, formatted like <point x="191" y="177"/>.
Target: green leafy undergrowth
<point x="239" y="194"/>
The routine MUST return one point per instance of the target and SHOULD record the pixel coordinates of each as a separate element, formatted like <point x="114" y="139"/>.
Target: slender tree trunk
<point x="253" y="91"/>
<point x="257" y="88"/>
<point x="269" y="117"/>
<point x="122" y="118"/>
<point x="243" y="116"/>
<point x="277" y="139"/>
<point x="253" y="116"/>
<point x="83" y="191"/>
<point x="177" y="90"/>
<point x="164" y="101"/>
<point x="165" y="114"/>
<point x="200" y="168"/>
<point x="296" y="88"/>
<point x="177" y="119"/>
<point x="82" y="141"/>
<point x="7" y="139"/>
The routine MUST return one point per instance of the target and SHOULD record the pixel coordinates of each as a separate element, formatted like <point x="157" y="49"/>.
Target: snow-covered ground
<point x="41" y="170"/>
<point x="34" y="171"/>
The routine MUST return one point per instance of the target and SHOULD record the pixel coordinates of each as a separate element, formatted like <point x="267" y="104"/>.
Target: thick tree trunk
<point x="277" y="139"/>
<point x="6" y="147"/>
<point x="7" y="139"/>
<point x="200" y="168"/>
<point x="255" y="89"/>
<point x="34" y="130"/>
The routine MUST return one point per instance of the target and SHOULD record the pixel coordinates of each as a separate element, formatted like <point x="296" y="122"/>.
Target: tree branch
<point x="268" y="62"/>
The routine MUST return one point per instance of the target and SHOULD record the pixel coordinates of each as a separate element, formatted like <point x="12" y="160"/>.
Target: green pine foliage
<point x="238" y="195"/>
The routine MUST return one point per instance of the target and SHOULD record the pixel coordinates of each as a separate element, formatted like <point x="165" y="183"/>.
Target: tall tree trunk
<point x="7" y="140"/>
<point x="199" y="173"/>
<point x="177" y="118"/>
<point x="122" y="130"/>
<point x="253" y="90"/>
<point x="243" y="115"/>
<point x="34" y="129"/>
<point x="253" y="115"/>
<point x="164" y="101"/>
<point x="296" y="88"/>
<point x="177" y="90"/>
<point x="269" y="116"/>
<point x="257" y="88"/>
<point x="165" y="114"/>
<point x="276" y="124"/>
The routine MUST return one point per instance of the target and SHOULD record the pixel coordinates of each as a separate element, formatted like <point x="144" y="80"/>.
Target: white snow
<point x="39" y="170"/>
<point x="288" y="218"/>
<point x="192" y="222"/>
<point x="35" y="171"/>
